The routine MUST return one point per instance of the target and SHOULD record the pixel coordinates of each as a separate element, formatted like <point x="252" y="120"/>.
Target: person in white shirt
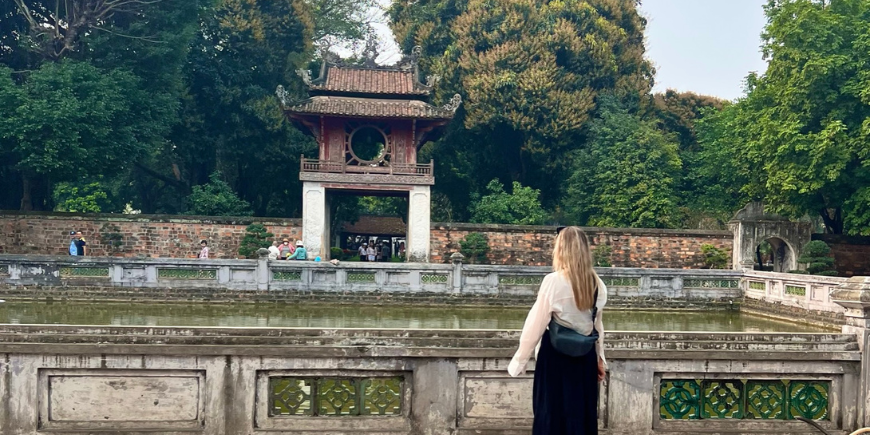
<point x="565" y="396"/>
<point x="274" y="252"/>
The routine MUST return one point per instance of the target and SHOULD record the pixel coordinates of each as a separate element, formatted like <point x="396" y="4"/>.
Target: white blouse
<point x="557" y="297"/>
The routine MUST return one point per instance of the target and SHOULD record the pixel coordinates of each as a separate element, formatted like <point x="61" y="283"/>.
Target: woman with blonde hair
<point x="565" y="328"/>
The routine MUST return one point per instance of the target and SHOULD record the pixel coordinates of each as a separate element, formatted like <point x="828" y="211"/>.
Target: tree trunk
<point x="833" y="224"/>
<point x="26" y="193"/>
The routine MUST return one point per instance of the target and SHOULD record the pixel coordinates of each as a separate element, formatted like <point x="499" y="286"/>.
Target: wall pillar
<point x="315" y="219"/>
<point x="418" y="224"/>
<point x="854" y="295"/>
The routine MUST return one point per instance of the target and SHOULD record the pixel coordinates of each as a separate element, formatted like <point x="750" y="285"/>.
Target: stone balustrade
<point x="216" y="381"/>
<point x="349" y="277"/>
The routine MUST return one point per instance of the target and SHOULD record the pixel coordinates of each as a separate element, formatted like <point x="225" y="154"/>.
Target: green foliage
<point x="216" y="198"/>
<point x="625" y="178"/>
<point x="89" y="198"/>
<point x="529" y="72"/>
<point x="474" y="246"/>
<point x="337" y="254"/>
<point x="798" y="138"/>
<point x="816" y="255"/>
<point x="520" y="207"/>
<point x="601" y="255"/>
<point x="256" y="237"/>
<point x="714" y="257"/>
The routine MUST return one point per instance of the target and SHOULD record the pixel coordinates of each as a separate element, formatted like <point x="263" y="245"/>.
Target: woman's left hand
<point x="601" y="371"/>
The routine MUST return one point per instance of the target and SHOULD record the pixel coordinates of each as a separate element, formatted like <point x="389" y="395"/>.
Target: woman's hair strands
<point x="573" y="258"/>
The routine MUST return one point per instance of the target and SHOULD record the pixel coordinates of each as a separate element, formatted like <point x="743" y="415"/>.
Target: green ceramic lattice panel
<point x="758" y="285"/>
<point x="433" y="278"/>
<point x="808" y="399"/>
<point x="4" y="270"/>
<point x="680" y="400"/>
<point x="286" y="276"/>
<point x="795" y="290"/>
<point x="621" y="282"/>
<point x="687" y="399"/>
<point x="186" y="273"/>
<point x="722" y="399"/>
<point x="520" y="279"/>
<point x="765" y="400"/>
<point x="84" y="272"/>
<point x="334" y="396"/>
<point x="290" y="396"/>
<point x="381" y="396"/>
<point x="711" y="283"/>
<point x="361" y="277"/>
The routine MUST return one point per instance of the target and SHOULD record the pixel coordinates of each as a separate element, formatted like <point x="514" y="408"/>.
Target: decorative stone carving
<point x="306" y="76"/>
<point x="371" y="52"/>
<point x="752" y="225"/>
<point x="432" y="80"/>
<point x="418" y="224"/>
<point x="314" y="218"/>
<point x="283" y="96"/>
<point x="453" y="104"/>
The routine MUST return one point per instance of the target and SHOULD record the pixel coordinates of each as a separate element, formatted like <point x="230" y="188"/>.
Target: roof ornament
<point x="283" y="96"/>
<point x="432" y="80"/>
<point x="306" y="76"/>
<point x="453" y="104"/>
<point x="371" y="52"/>
<point x="409" y="61"/>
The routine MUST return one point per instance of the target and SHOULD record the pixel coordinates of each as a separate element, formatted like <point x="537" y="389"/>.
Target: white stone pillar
<point x="418" y="224"/>
<point x="315" y="224"/>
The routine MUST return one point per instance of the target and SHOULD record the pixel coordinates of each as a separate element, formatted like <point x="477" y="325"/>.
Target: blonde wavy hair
<point x="572" y="257"/>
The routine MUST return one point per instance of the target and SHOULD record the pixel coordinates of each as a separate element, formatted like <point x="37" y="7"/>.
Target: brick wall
<point x="631" y="247"/>
<point x="851" y="254"/>
<point x="140" y="235"/>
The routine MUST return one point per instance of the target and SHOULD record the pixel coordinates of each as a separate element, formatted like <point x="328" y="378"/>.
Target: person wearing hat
<point x="285" y="250"/>
<point x="299" y="253"/>
<point x="362" y="251"/>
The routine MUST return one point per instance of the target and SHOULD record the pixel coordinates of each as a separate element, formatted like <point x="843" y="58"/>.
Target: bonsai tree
<point x="817" y="257"/>
<point x="474" y="247"/>
<point x="601" y="256"/>
<point x="714" y="257"/>
<point x="256" y="237"/>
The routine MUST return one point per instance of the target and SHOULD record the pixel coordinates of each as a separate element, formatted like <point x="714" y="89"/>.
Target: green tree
<point x="216" y="198"/>
<point x="798" y="139"/>
<point x="816" y="255"/>
<point x="626" y="176"/>
<point x="714" y="257"/>
<point x="256" y="237"/>
<point x="474" y="246"/>
<point x="88" y="198"/>
<point x="529" y="72"/>
<point x="520" y="207"/>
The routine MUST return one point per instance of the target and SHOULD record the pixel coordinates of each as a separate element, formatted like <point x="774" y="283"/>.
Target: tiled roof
<point x="376" y="226"/>
<point x="370" y="108"/>
<point x="370" y="81"/>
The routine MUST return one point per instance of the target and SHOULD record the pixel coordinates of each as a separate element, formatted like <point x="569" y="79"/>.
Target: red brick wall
<point x="141" y="235"/>
<point x="851" y="254"/>
<point x="631" y="247"/>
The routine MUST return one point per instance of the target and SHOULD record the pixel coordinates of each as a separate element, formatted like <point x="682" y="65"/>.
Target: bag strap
<point x="594" y="306"/>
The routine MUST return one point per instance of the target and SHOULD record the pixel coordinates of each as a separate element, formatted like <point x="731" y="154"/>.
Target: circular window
<point x="368" y="144"/>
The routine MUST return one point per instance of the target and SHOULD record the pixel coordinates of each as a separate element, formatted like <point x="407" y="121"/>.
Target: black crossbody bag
<point x="570" y="342"/>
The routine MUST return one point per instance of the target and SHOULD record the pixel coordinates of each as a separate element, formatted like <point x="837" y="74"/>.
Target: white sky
<point x="704" y="46"/>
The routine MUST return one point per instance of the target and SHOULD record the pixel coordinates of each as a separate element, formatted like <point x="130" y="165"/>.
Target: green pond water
<point x="366" y="316"/>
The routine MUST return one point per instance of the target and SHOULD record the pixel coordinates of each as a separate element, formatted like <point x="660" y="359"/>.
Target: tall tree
<point x="626" y="177"/>
<point x="529" y="72"/>
<point x="800" y="135"/>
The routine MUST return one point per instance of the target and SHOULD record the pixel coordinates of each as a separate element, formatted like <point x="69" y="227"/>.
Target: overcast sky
<point x="704" y="46"/>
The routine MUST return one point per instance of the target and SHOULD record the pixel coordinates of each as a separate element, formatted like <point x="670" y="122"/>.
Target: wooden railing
<point x="414" y="169"/>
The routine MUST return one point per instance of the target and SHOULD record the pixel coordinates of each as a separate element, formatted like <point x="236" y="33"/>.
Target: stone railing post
<point x="456" y="258"/>
<point x="263" y="272"/>
<point x="854" y="296"/>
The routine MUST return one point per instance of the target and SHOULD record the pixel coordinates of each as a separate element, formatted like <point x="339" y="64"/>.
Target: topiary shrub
<point x="256" y="237"/>
<point x="474" y="247"/>
<point x="817" y="257"/>
<point x="714" y="257"/>
<point x="601" y="255"/>
<point x="336" y="254"/>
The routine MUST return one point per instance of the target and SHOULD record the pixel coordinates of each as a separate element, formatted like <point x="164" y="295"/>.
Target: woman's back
<point x="565" y="309"/>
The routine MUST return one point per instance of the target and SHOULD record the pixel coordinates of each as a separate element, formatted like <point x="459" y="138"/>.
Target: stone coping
<point x="551" y="229"/>
<point x="279" y="264"/>
<point x="120" y="217"/>
<point x="441" y="344"/>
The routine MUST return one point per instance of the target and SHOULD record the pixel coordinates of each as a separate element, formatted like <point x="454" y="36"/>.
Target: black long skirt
<point x="565" y="400"/>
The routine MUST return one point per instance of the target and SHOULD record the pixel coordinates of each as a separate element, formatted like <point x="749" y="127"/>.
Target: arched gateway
<point x="369" y="122"/>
